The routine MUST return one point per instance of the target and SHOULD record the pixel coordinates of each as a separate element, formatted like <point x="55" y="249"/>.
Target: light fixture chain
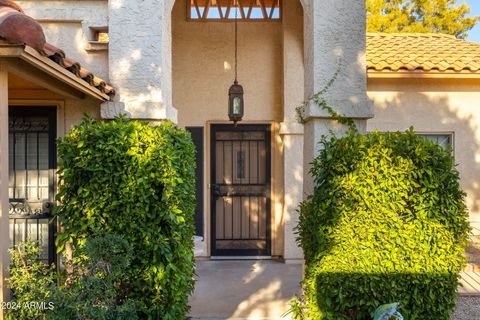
<point x="236" y="41"/>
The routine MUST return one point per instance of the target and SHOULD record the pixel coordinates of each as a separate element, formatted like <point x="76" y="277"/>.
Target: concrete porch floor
<point x="248" y="289"/>
<point x="261" y="289"/>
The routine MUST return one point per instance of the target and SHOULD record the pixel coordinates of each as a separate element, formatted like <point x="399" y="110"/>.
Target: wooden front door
<point x="240" y="190"/>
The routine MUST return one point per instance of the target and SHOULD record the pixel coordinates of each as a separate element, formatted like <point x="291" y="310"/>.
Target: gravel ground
<point x="468" y="308"/>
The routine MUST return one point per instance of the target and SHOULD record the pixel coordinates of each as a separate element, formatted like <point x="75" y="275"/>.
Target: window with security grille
<point x="228" y="10"/>
<point x="444" y="139"/>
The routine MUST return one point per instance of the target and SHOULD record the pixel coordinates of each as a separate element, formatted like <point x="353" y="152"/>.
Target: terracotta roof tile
<point x="18" y="28"/>
<point x="421" y="51"/>
<point x="11" y="4"/>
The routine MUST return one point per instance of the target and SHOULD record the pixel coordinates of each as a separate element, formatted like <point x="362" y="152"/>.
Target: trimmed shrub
<point x="386" y="223"/>
<point x="137" y="181"/>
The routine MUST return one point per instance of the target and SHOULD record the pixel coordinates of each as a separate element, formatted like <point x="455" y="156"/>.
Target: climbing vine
<point x="319" y="100"/>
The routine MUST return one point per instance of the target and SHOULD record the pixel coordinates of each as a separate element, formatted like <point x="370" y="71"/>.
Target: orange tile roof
<point x="428" y="52"/>
<point x="18" y="28"/>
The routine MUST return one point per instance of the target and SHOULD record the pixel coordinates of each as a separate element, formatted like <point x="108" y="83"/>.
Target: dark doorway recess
<point x="198" y="138"/>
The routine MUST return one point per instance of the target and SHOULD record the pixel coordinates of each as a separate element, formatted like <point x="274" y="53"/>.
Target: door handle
<point x="216" y="190"/>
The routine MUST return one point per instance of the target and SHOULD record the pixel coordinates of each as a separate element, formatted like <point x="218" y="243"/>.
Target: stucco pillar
<point x="140" y="62"/>
<point x="291" y="131"/>
<point x="4" y="239"/>
<point x="335" y="40"/>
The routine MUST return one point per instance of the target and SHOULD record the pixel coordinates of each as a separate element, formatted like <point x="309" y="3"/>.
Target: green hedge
<point x="387" y="222"/>
<point x="137" y="181"/>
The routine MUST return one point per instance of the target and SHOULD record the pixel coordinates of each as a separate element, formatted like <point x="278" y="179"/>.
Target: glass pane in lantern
<point x="236" y="106"/>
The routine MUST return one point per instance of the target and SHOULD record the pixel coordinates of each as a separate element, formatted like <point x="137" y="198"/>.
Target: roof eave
<point x="421" y="74"/>
<point x="44" y="64"/>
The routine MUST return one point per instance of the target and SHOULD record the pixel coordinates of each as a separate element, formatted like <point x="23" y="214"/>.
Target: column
<point x="335" y="41"/>
<point x="292" y="131"/>
<point x="4" y="239"/>
<point x="140" y="62"/>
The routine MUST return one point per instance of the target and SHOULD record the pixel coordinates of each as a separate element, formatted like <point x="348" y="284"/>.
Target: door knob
<point x="216" y="190"/>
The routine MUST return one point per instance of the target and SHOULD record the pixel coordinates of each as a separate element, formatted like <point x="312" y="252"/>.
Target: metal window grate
<point x="444" y="140"/>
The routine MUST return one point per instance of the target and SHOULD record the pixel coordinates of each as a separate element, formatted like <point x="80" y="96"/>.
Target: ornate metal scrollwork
<point x="22" y="207"/>
<point x="28" y="124"/>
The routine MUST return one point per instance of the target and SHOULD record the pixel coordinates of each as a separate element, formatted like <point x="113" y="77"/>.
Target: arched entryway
<point x="242" y="209"/>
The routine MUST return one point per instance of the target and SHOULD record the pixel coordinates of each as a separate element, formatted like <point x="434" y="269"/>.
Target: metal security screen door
<point x="31" y="187"/>
<point x="240" y="190"/>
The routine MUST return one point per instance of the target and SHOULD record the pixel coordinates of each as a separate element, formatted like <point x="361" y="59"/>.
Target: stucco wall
<point x="67" y="25"/>
<point x="435" y="106"/>
<point x="203" y="64"/>
<point x="292" y="131"/>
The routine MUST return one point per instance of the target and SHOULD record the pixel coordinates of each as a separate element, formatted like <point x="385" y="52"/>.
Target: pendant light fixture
<point x="235" y="93"/>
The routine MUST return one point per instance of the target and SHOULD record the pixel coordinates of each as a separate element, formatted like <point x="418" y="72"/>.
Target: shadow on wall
<point x="438" y="106"/>
<point x="437" y="112"/>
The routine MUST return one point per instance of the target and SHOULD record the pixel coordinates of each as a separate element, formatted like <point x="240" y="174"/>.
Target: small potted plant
<point x="388" y="312"/>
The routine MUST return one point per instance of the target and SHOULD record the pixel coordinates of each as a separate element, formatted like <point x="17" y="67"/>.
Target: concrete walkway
<point x="253" y="290"/>
<point x="469" y="283"/>
<point x="261" y="290"/>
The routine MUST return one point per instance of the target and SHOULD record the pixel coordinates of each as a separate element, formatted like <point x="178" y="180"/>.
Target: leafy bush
<point x="95" y="288"/>
<point x="135" y="180"/>
<point x="31" y="282"/>
<point x="93" y="291"/>
<point x="387" y="222"/>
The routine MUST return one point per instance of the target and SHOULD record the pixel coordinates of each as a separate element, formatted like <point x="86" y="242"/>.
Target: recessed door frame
<point x="214" y="128"/>
<point x="51" y="112"/>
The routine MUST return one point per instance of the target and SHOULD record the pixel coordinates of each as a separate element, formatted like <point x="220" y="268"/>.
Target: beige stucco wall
<point x="291" y="131"/>
<point x="203" y="64"/>
<point x="70" y="37"/>
<point x="68" y="25"/>
<point x="435" y="106"/>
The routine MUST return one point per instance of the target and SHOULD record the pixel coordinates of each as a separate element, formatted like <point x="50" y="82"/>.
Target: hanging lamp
<point x="235" y="93"/>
